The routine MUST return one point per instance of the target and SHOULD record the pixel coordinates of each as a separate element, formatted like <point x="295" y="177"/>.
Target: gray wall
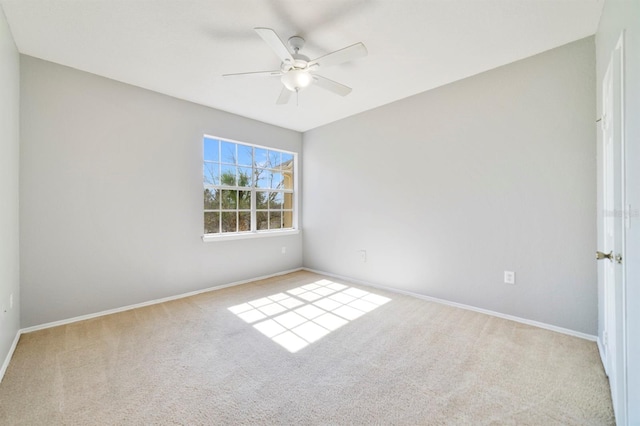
<point x="111" y="196"/>
<point x="447" y="189"/>
<point x="9" y="211"/>
<point x="618" y="16"/>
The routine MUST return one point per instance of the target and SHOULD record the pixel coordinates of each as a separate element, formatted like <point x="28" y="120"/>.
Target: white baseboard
<point x="463" y="306"/>
<point x="7" y="359"/>
<point x="150" y="302"/>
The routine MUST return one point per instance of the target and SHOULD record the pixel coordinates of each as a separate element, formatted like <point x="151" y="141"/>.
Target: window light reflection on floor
<point x="303" y="315"/>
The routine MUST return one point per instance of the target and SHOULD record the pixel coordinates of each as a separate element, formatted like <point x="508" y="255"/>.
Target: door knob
<point x="600" y="255"/>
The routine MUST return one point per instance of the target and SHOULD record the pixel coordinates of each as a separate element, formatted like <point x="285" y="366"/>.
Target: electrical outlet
<point x="284" y="250"/>
<point x="11" y="301"/>
<point x="363" y="255"/>
<point x="509" y="277"/>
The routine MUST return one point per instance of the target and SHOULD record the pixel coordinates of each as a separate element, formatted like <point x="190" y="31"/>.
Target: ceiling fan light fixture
<point x="296" y="71"/>
<point x="296" y="80"/>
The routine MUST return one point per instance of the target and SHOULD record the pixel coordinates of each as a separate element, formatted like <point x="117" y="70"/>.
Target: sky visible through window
<point x="303" y="315"/>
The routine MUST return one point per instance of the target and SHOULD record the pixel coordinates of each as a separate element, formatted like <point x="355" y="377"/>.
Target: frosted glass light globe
<point x="295" y="80"/>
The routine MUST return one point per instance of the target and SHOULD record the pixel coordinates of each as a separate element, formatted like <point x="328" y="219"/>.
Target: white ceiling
<point x="182" y="47"/>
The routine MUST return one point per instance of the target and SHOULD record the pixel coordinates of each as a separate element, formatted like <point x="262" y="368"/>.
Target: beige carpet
<point x="324" y="353"/>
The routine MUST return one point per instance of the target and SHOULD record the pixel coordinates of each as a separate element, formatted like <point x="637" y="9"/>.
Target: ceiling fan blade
<point x="284" y="97"/>
<point x="348" y="53"/>
<point x="274" y="73"/>
<point x="332" y="86"/>
<point x="275" y="43"/>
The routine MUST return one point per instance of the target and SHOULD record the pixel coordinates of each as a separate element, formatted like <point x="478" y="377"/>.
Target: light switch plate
<point x="509" y="277"/>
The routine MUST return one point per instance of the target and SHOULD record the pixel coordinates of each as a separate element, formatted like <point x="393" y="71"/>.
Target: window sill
<point x="207" y="238"/>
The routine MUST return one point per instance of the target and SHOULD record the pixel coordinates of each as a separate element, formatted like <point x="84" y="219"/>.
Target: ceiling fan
<point x="297" y="71"/>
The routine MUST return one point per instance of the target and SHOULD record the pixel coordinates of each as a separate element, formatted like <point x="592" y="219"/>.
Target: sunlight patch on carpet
<point x="303" y="315"/>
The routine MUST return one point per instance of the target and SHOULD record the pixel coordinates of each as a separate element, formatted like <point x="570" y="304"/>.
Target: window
<point x="247" y="188"/>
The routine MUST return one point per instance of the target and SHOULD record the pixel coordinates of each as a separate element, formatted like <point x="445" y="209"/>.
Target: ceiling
<point x="182" y="47"/>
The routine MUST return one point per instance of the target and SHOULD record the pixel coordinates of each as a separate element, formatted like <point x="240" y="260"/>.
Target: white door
<point x="614" y="218"/>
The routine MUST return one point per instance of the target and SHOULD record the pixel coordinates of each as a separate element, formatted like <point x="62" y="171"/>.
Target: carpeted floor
<point x="303" y="349"/>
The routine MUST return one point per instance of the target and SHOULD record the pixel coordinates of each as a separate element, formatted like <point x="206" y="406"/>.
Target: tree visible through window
<point x="247" y="188"/>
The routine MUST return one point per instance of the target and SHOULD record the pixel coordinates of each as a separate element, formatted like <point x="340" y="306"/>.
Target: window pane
<point x="211" y="222"/>
<point x="210" y="149"/>
<point x="275" y="219"/>
<point x="229" y="199"/>
<point x="262" y="199"/>
<point x="261" y="221"/>
<point x="276" y="200"/>
<point x="260" y="157"/>
<point x="287" y="179"/>
<point x="262" y="178"/>
<point x="287" y="219"/>
<point x="244" y="221"/>
<point x="211" y="173"/>
<point x="287" y="161"/>
<point x="244" y="200"/>
<point x="276" y="180"/>
<point x="245" y="155"/>
<point x="244" y="176"/>
<point x="274" y="159"/>
<point x="211" y="199"/>
<point x="229" y="221"/>
<point x="228" y="176"/>
<point x="288" y="200"/>
<point x="228" y="152"/>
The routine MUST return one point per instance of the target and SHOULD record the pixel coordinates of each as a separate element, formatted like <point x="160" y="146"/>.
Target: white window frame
<point x="254" y="233"/>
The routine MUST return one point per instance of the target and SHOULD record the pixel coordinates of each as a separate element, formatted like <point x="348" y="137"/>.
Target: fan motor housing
<point x="300" y="61"/>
